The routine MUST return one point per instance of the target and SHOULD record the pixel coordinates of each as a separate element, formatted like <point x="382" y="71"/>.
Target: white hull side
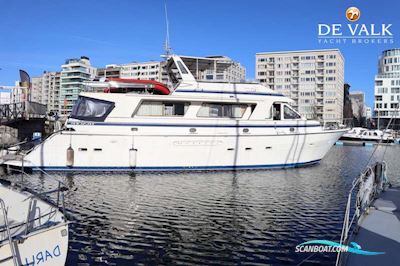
<point x="45" y="248"/>
<point x="152" y="151"/>
<point x="45" y="243"/>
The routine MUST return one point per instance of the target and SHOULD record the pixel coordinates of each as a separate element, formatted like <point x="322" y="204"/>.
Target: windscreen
<point x="91" y="109"/>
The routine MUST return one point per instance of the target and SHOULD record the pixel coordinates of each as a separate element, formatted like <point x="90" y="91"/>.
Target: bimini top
<point x="185" y="83"/>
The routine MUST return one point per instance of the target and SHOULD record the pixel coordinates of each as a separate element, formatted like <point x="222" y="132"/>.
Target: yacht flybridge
<point x="199" y="126"/>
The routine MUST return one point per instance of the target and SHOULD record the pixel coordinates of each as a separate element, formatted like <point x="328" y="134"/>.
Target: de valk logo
<point x="355" y="32"/>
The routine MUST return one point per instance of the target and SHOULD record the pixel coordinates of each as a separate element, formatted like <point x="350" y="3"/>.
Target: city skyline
<point x="125" y="33"/>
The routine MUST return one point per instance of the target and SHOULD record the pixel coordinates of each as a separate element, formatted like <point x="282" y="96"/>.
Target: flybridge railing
<point x="115" y="84"/>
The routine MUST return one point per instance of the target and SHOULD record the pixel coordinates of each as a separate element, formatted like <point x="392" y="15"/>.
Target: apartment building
<point x="5" y="94"/>
<point x="45" y="89"/>
<point x="211" y="68"/>
<point x="215" y="68"/>
<point x="151" y="70"/>
<point x="52" y="90"/>
<point x="36" y="89"/>
<point x="314" y="79"/>
<point x="74" y="73"/>
<point x="387" y="87"/>
<point x="110" y="71"/>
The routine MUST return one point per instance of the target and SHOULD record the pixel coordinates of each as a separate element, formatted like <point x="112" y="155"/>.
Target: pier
<point x="26" y="117"/>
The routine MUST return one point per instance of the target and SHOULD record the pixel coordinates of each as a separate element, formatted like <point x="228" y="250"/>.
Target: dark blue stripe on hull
<point x="184" y="125"/>
<point x="173" y="168"/>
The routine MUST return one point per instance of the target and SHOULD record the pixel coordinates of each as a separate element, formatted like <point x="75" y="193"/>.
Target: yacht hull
<point x="218" y="150"/>
<point x="376" y="140"/>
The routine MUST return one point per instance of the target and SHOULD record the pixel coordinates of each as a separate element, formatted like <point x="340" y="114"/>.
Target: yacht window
<point x="91" y="109"/>
<point x="276" y="111"/>
<point x="158" y="108"/>
<point x="289" y="113"/>
<point x="222" y="110"/>
<point x="182" y="68"/>
<point x="375" y="134"/>
<point x="270" y="111"/>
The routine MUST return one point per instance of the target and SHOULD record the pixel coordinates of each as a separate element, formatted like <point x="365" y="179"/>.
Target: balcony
<point x="74" y="69"/>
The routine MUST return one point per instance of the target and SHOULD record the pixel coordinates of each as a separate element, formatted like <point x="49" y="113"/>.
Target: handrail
<point x="13" y="253"/>
<point x="60" y="200"/>
<point x="52" y="214"/>
<point x="362" y="203"/>
<point x="18" y="225"/>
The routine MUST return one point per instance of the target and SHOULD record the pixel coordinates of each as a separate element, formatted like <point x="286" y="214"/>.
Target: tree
<point x="360" y="114"/>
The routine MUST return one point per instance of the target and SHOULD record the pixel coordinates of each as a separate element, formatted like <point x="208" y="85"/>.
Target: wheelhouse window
<point x="276" y="111"/>
<point x="91" y="109"/>
<point x="222" y="110"/>
<point x="160" y="108"/>
<point x="182" y="67"/>
<point x="289" y="113"/>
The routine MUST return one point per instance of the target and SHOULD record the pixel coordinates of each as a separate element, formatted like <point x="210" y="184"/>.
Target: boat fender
<point x="132" y="157"/>
<point x="70" y="156"/>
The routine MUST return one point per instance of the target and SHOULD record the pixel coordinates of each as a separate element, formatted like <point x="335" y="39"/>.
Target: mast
<point x="167" y="47"/>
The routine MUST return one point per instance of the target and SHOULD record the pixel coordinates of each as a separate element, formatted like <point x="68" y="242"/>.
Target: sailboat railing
<point x="365" y="188"/>
<point x="8" y="232"/>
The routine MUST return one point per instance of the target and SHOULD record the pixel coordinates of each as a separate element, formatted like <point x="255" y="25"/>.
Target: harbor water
<point x="218" y="218"/>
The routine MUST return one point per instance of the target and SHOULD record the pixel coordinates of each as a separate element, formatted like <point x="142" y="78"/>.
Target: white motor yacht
<point x="200" y="126"/>
<point x="368" y="135"/>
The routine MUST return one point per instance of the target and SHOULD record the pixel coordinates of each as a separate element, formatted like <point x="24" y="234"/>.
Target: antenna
<point x="167" y="47"/>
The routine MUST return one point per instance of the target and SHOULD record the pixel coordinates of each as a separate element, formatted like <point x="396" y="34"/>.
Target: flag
<point x="24" y="79"/>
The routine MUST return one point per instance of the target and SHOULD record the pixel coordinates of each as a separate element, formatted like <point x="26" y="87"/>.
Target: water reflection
<point x="249" y="217"/>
